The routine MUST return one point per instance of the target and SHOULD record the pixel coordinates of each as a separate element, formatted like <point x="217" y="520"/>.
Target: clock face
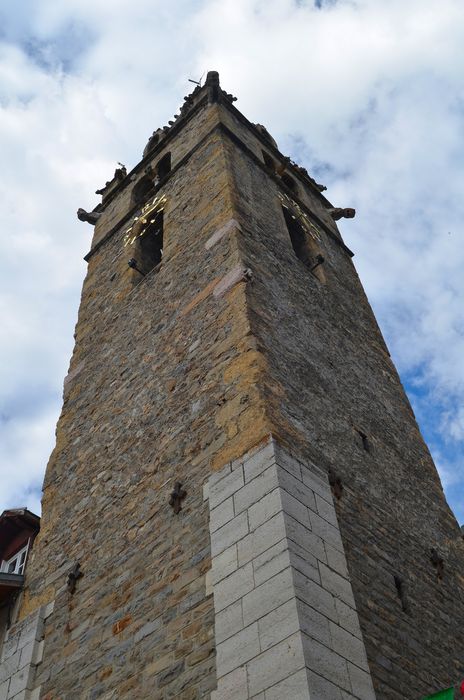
<point x="141" y="223"/>
<point x="296" y="212"/>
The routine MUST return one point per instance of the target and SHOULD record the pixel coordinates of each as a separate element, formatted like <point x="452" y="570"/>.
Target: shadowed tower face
<point x="239" y="504"/>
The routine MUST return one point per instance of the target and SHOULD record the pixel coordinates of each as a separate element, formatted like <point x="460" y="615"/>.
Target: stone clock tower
<point x="240" y="504"/>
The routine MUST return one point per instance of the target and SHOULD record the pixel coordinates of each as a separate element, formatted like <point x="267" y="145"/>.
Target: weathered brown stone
<point x="169" y="382"/>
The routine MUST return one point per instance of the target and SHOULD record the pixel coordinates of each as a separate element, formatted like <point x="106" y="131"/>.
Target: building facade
<point x="240" y="503"/>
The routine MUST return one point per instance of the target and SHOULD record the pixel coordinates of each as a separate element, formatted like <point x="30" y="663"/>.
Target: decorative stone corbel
<point x="91" y="217"/>
<point x="337" y="213"/>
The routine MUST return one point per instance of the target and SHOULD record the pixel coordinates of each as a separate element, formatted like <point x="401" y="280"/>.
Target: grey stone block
<point x="336" y="560"/>
<point x="264" y="509"/>
<point x="27" y="654"/>
<point x="233" y="587"/>
<point x="337" y="585"/>
<point x="275" y="664"/>
<point x="224" y="564"/>
<point x="4" y="690"/>
<point x="258" y="462"/>
<point x="297" y="489"/>
<point x="237" y="650"/>
<point x="317" y="482"/>
<point x="326" y="510"/>
<point x="315" y="596"/>
<point x="34" y="694"/>
<point x="221" y="515"/>
<point x="19" y="681"/>
<point x="253" y="491"/>
<point x="226" y="487"/>
<point x="270" y="562"/>
<point x="295" y="687"/>
<point x="232" y="687"/>
<point x="326" y="531"/>
<point x="22" y="695"/>
<point x="306" y="539"/>
<point x="304" y="562"/>
<point x="295" y="508"/>
<point x="313" y="623"/>
<point x="348" y="646"/>
<point x="348" y="618"/>
<point x="217" y="476"/>
<point x="268" y="596"/>
<point x="229" y="533"/>
<point x="10" y="645"/>
<point x="322" y="689"/>
<point x="361" y="683"/>
<point x="278" y="624"/>
<point x="38" y="652"/>
<point x="10" y="666"/>
<point x="261" y="539"/>
<point x="287" y="462"/>
<point x="326" y="663"/>
<point x="32" y="629"/>
<point x="229" y="621"/>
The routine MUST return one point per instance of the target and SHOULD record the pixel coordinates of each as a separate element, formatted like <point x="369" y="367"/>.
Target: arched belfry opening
<point x="142" y="189"/>
<point x="149" y="247"/>
<point x="304" y="245"/>
<point x="163" y="167"/>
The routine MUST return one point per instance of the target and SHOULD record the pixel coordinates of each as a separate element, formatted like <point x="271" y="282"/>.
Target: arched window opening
<point x="304" y="246"/>
<point x="290" y="182"/>
<point x="150" y="245"/>
<point x="142" y="189"/>
<point x="269" y="161"/>
<point x="164" y="166"/>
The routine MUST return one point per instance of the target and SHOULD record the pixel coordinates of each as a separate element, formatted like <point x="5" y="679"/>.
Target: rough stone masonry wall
<point x="327" y="379"/>
<point x="286" y="623"/>
<point x="185" y="371"/>
<point x="161" y="384"/>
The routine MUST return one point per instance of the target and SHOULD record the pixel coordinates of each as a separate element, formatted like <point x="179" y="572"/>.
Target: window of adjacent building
<point x="16" y="564"/>
<point x="304" y="246"/>
<point x="163" y="166"/>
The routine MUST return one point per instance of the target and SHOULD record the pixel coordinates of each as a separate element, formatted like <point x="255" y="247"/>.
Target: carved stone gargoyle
<point x="338" y="213"/>
<point x="91" y="217"/>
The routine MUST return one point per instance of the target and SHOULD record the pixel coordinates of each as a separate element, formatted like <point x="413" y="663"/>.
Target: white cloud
<point x="364" y="93"/>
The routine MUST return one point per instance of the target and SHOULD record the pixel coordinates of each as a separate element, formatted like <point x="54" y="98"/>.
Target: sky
<point x="366" y="94"/>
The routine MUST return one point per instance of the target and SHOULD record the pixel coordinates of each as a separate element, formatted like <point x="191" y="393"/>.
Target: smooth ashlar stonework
<point x="286" y="623"/>
<point x="21" y="655"/>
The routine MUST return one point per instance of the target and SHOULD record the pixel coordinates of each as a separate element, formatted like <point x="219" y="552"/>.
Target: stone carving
<point x="265" y="133"/>
<point x="153" y="141"/>
<point x="73" y="577"/>
<point x="437" y="562"/>
<point x="177" y="496"/>
<point x="91" y="217"/>
<point x="338" y="213"/>
<point x="119" y="174"/>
